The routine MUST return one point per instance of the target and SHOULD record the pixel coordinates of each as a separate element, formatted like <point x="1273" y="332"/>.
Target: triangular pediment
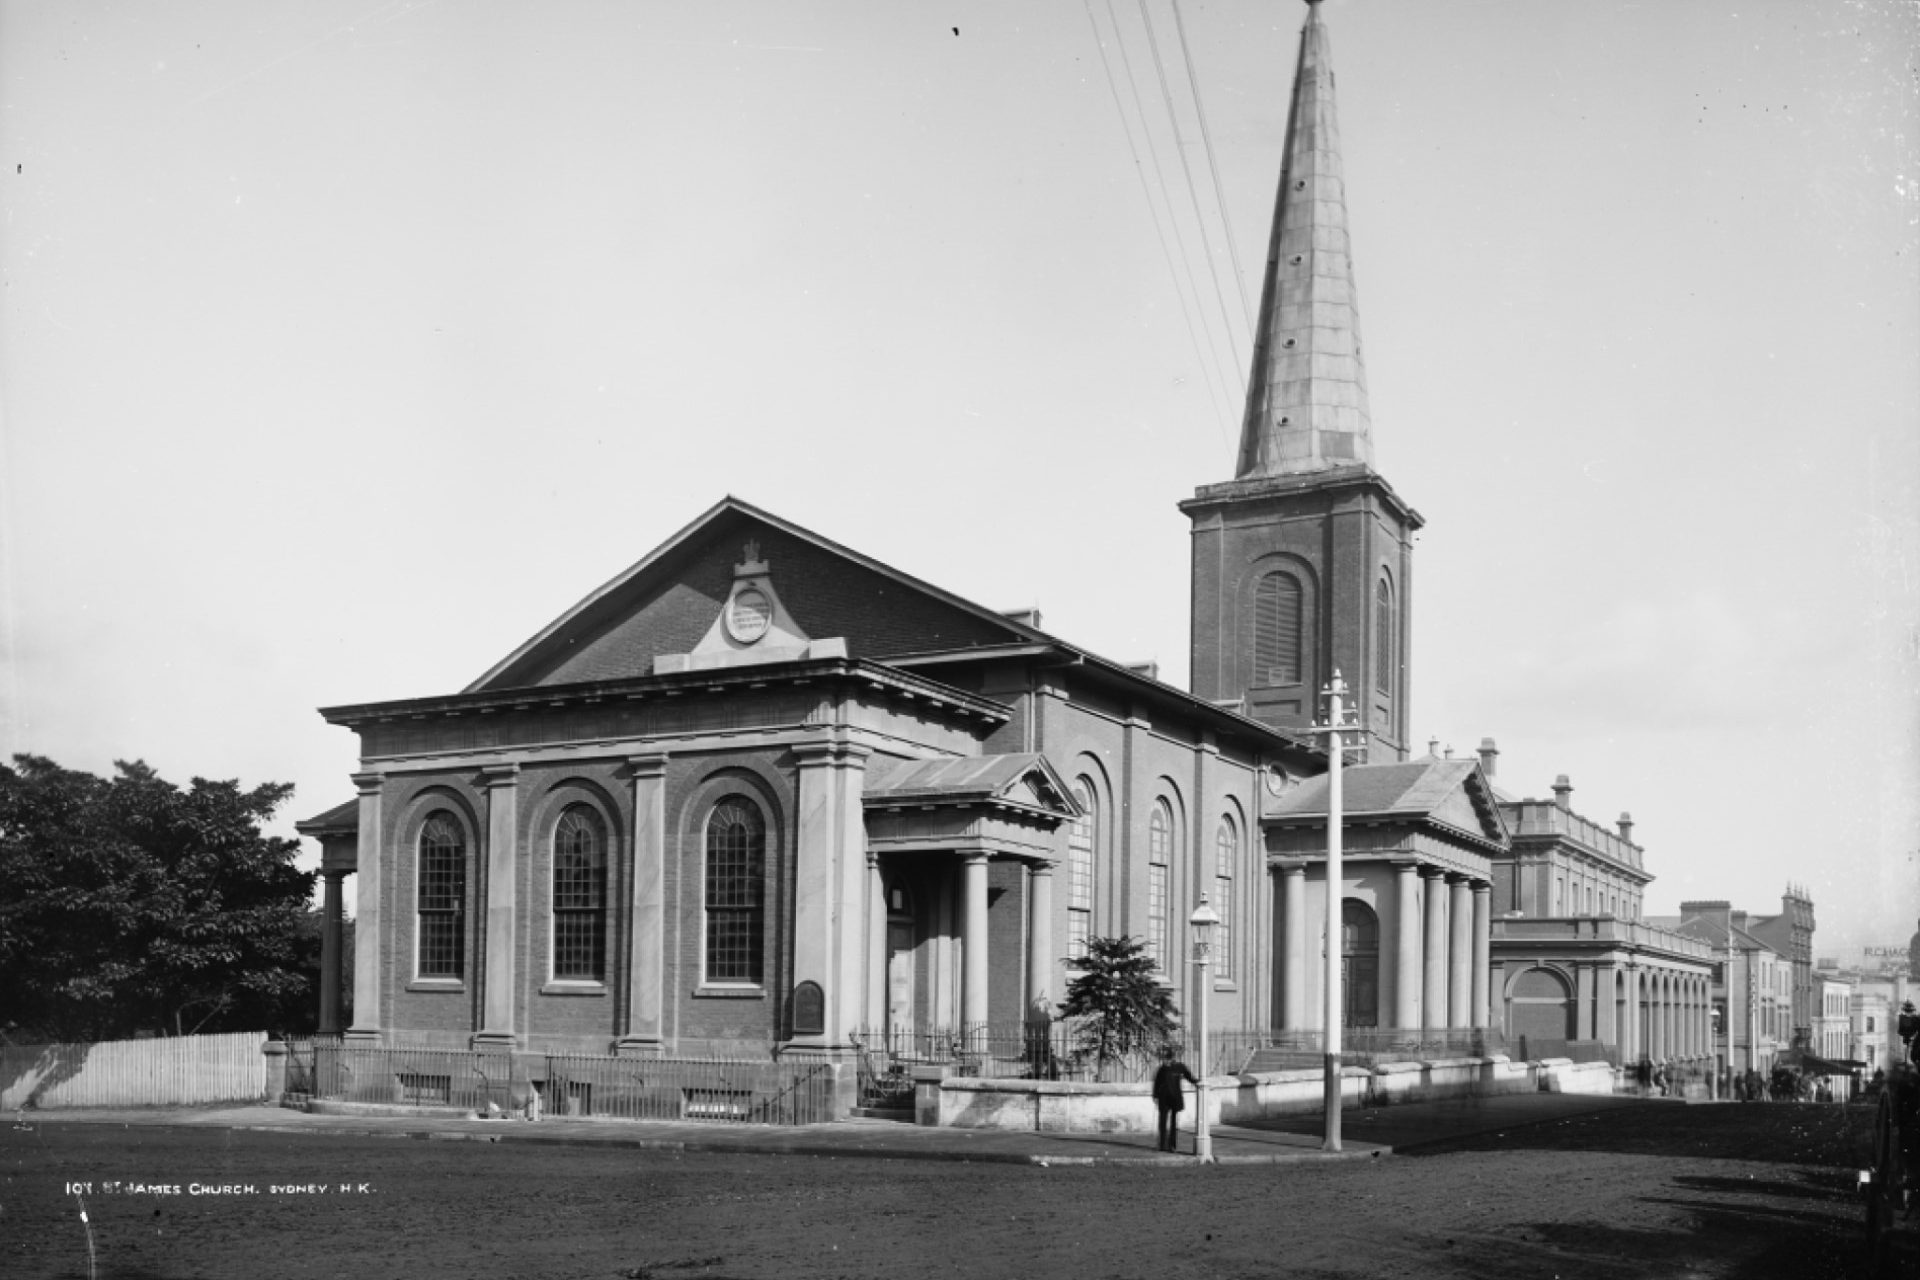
<point x="1447" y="793"/>
<point x="1021" y="780"/>
<point x="739" y="581"/>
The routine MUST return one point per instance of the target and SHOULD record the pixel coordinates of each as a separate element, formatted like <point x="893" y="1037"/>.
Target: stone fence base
<point x="1061" y="1107"/>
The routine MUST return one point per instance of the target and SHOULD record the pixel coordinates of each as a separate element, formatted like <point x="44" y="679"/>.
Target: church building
<point x="763" y="793"/>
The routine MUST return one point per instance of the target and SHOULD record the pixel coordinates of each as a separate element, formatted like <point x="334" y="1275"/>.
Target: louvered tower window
<point x="579" y="896"/>
<point x="1383" y="636"/>
<point x="1276" y="629"/>
<point x="442" y="898"/>
<point x="736" y="892"/>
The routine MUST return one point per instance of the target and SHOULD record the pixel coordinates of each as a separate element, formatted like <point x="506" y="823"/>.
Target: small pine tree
<point x="1117" y="1000"/>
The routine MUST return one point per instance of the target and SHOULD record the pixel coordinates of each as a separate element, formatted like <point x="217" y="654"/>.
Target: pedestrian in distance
<point x="1169" y="1098"/>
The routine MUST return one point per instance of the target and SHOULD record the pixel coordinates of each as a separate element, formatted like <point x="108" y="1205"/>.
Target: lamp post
<point x="1338" y="722"/>
<point x="1201" y="924"/>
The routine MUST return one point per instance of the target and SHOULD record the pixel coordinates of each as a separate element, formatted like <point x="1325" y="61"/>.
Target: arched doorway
<point x="1359" y="964"/>
<point x="1542" y="1012"/>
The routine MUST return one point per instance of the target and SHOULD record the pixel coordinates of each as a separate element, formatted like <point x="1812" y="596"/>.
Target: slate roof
<point x="338" y="820"/>
<point x="1417" y="789"/>
<point x="995" y="779"/>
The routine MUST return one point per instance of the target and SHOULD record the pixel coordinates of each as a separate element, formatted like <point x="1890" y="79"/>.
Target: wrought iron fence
<point x="1371" y="1046"/>
<point x="736" y="1090"/>
<point x="757" y="1091"/>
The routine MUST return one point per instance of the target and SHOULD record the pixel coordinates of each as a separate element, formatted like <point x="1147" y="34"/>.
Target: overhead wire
<point x="1206" y="352"/>
<point x="1208" y="367"/>
<point x="1213" y="167"/>
<point x="1186" y="170"/>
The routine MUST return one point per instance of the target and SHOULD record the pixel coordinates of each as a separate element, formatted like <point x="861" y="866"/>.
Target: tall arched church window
<point x="1159" y="854"/>
<point x="1359" y="963"/>
<point x="442" y="906"/>
<point x="736" y="888"/>
<point x="1226" y="854"/>
<point x="580" y="896"/>
<point x="1082" y="833"/>
<point x="1384" y="635"/>
<point x="1277" y="622"/>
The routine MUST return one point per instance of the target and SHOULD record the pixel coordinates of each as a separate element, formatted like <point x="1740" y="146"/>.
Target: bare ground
<point x="1634" y="1191"/>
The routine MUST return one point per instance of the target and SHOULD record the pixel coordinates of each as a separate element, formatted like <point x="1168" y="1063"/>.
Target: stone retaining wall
<point x="1049" y="1106"/>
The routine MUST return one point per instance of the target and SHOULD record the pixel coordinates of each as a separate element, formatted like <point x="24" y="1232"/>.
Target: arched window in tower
<point x="579" y="896"/>
<point x="1226" y="853"/>
<point x="442" y="898"/>
<point x="1277" y="621"/>
<point x="1082" y="832"/>
<point x="736" y="887"/>
<point x="1385" y="631"/>
<point x="1159" y="854"/>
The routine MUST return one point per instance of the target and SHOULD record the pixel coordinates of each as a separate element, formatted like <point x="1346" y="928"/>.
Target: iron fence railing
<point x="757" y="1090"/>
<point x="728" y="1089"/>
<point x="1035" y="1051"/>
<point x="1372" y="1046"/>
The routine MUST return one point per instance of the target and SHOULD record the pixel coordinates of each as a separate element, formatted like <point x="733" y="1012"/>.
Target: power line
<point x="1213" y="167"/>
<point x="1193" y="192"/>
<point x="1159" y="230"/>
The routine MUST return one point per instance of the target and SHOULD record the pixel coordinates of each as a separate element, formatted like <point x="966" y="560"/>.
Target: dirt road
<point x="1648" y="1190"/>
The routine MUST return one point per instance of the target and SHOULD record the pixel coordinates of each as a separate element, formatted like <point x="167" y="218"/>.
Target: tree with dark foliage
<point x="1117" y="1000"/>
<point x="129" y="905"/>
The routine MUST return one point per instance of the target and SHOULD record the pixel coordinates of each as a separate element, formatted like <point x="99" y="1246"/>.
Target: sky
<point x="344" y="346"/>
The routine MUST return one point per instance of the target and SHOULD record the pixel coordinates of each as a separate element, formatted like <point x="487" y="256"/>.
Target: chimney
<point x="1626" y="826"/>
<point x="1433" y="748"/>
<point x="1739" y="920"/>
<point x="1150" y="668"/>
<point x="1563" y="792"/>
<point x="1489" y="756"/>
<point x="1029" y="617"/>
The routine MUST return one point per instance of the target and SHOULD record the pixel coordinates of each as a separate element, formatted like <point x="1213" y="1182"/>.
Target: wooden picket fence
<point x="174" y="1071"/>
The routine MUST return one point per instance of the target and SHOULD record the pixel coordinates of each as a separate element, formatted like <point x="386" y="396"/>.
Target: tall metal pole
<point x="1200" y="925"/>
<point x="1335" y="1008"/>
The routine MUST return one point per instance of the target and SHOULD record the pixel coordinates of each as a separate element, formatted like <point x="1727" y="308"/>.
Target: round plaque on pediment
<point x="749" y="614"/>
<point x="1277" y="779"/>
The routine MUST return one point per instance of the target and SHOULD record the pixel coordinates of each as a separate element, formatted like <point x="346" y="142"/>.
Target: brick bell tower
<point x="1302" y="563"/>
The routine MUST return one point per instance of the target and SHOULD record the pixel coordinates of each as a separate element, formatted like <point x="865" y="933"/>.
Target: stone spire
<point x="1307" y="394"/>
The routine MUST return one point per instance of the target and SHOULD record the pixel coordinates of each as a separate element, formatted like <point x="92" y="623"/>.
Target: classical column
<point x="878" y="911"/>
<point x="1293" y="967"/>
<point x="1583" y="1000"/>
<point x="830" y="882"/>
<point x="1606" y="991"/>
<point x="973" y="944"/>
<point x="1040" y="943"/>
<point x="330" y="954"/>
<point x="368" y="938"/>
<point x="503" y="905"/>
<point x="1406" y="944"/>
<point x="1630" y="1047"/>
<point x="1657" y="1017"/>
<point x="1460" y="952"/>
<point x="1482" y="949"/>
<point x="647" y="909"/>
<point x="1434" y="1000"/>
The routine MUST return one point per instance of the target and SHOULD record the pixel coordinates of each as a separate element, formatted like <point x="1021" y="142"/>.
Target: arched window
<point x="580" y="896"/>
<point x="1159" y="852"/>
<point x="1384" y="633"/>
<point x="1226" y="854"/>
<point x="1359" y="963"/>
<point x="1082" y="833"/>
<point x="736" y="893"/>
<point x="442" y="898"/>
<point x="1277" y="620"/>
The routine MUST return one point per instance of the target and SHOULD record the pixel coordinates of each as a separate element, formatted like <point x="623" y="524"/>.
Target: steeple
<point x="1307" y="393"/>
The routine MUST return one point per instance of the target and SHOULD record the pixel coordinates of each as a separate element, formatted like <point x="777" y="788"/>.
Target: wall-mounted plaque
<point x="809" y="1010"/>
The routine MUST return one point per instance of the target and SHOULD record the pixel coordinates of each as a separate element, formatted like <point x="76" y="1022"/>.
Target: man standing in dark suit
<point x="1168" y="1096"/>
